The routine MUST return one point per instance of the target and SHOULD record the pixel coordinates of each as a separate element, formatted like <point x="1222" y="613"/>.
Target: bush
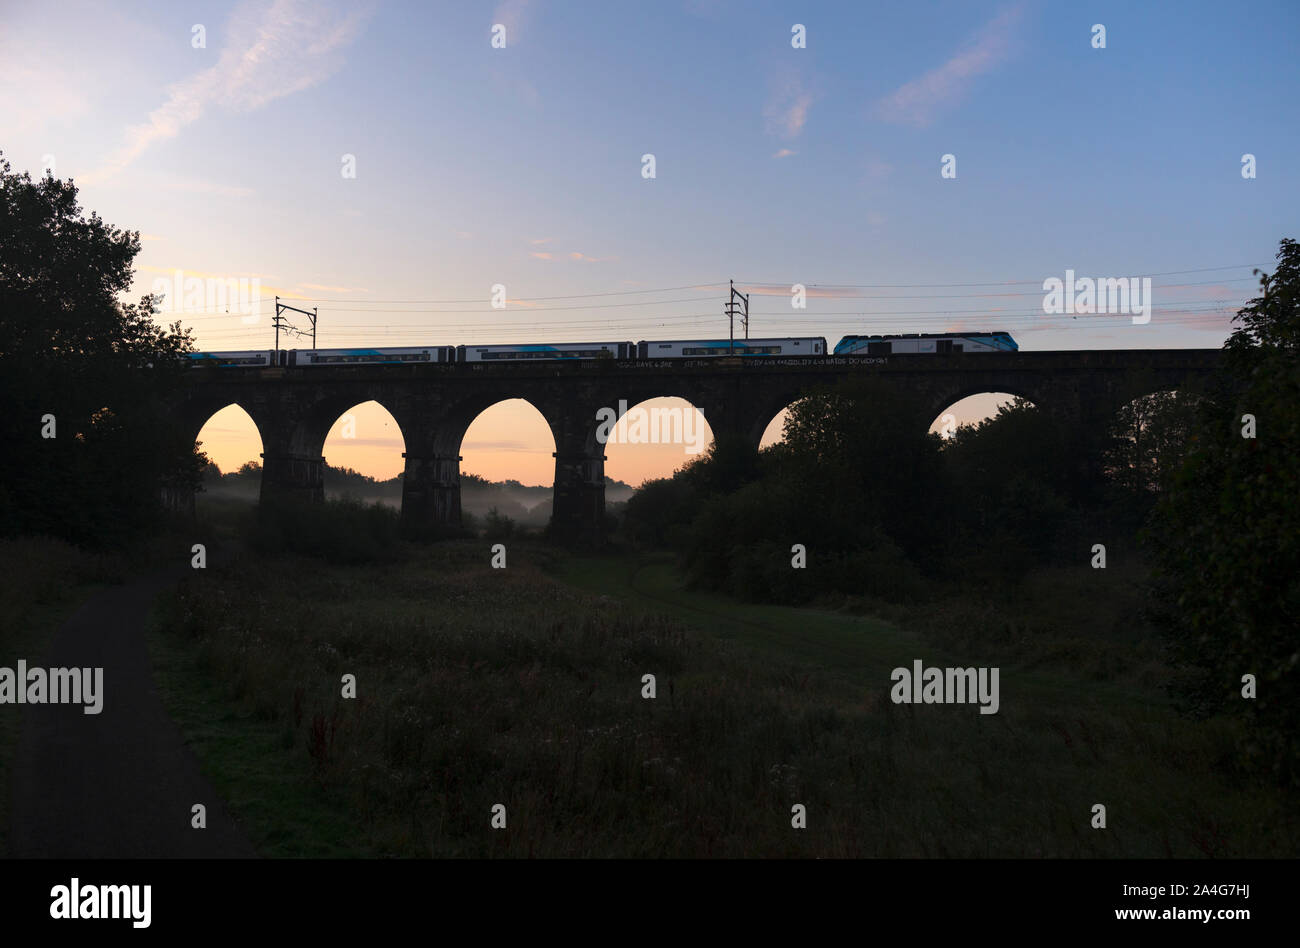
<point x="339" y="531"/>
<point x="497" y="526"/>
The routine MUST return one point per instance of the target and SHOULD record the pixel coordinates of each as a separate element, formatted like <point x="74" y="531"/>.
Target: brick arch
<point x="443" y="427"/>
<point x="767" y="406"/>
<point x="197" y="412"/>
<point x="313" y="423"/>
<point x="630" y="402"/>
<point x="944" y="397"/>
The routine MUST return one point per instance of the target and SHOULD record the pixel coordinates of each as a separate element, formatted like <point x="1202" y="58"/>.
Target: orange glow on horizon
<point x="509" y="441"/>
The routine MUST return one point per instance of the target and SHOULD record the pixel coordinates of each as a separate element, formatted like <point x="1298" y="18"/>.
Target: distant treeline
<point x="528" y="505"/>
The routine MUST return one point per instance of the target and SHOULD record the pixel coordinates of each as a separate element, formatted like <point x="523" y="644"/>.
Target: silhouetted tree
<point x="1226" y="535"/>
<point x="72" y="351"/>
<point x="862" y="454"/>
<point x="1148" y="441"/>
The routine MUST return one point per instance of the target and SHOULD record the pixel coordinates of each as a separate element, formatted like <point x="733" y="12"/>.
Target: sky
<point x="389" y="165"/>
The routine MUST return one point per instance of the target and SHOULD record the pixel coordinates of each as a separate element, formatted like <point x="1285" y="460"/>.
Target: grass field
<point x="523" y="687"/>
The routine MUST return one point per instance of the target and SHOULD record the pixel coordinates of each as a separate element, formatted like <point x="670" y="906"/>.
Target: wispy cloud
<point x="500" y="446"/>
<point x="203" y="274"/>
<point x="511" y="15"/>
<point x="785" y="153"/>
<point x="878" y="170"/>
<point x="337" y="431"/>
<point x="189" y="185"/>
<point x="538" y="241"/>
<point x="333" y="289"/>
<point x="787" y="106"/>
<point x="36" y="89"/>
<point x="266" y="289"/>
<point x="812" y="292"/>
<point x="272" y="51"/>
<point x="707" y="9"/>
<point x="916" y="102"/>
<point x="576" y="256"/>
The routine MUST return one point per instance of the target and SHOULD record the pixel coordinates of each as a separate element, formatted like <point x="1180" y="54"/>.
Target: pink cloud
<point x="786" y="110"/>
<point x="915" y="102"/>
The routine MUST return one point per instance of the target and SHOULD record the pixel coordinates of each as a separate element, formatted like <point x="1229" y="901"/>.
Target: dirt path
<point x="119" y="784"/>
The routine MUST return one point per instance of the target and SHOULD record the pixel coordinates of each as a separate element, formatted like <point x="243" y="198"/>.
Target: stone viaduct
<point x="434" y="404"/>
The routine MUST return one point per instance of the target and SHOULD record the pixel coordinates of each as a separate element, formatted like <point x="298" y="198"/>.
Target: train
<point x="938" y="343"/>
<point x="794" y="347"/>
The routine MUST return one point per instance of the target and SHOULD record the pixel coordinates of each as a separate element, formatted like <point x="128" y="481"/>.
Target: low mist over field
<point x="528" y="505"/>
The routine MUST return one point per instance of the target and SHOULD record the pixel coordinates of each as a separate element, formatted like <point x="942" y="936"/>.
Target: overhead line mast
<point x="734" y="309"/>
<point x="281" y="323"/>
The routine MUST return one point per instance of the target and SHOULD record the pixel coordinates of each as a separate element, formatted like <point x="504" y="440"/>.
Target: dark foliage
<point x="1226" y="536"/>
<point x="337" y="531"/>
<point x="101" y="369"/>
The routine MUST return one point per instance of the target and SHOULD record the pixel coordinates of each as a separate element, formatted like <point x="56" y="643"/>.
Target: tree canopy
<point x="83" y="374"/>
<point x="1227" y="534"/>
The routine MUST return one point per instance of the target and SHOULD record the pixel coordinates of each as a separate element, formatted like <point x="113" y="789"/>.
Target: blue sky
<point x="473" y="163"/>
<point x="522" y="166"/>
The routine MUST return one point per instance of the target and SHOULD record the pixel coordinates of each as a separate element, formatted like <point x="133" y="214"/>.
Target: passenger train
<point x="936" y="342"/>
<point x="810" y="347"/>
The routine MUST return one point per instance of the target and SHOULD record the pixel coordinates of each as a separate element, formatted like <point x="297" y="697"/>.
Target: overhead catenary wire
<point x="520" y="320"/>
<point x="206" y="314"/>
<point x="1213" y="324"/>
<point x="899" y="286"/>
<point x="1190" y="306"/>
<point x="752" y="283"/>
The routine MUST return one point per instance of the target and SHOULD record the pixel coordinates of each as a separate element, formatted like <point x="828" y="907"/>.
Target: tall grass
<point x="478" y="686"/>
<point x="345" y="531"/>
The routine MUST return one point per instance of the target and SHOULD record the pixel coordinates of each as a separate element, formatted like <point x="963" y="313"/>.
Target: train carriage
<point x="559" y="350"/>
<point x="713" y="348"/>
<point x="229" y="360"/>
<point x="385" y="356"/>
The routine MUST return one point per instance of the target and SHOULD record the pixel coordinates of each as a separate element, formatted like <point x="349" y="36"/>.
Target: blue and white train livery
<point x="228" y="360"/>
<point x="559" y="350"/>
<point x="927" y="342"/>
<point x="386" y="356"/>
<point x="713" y="348"/>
